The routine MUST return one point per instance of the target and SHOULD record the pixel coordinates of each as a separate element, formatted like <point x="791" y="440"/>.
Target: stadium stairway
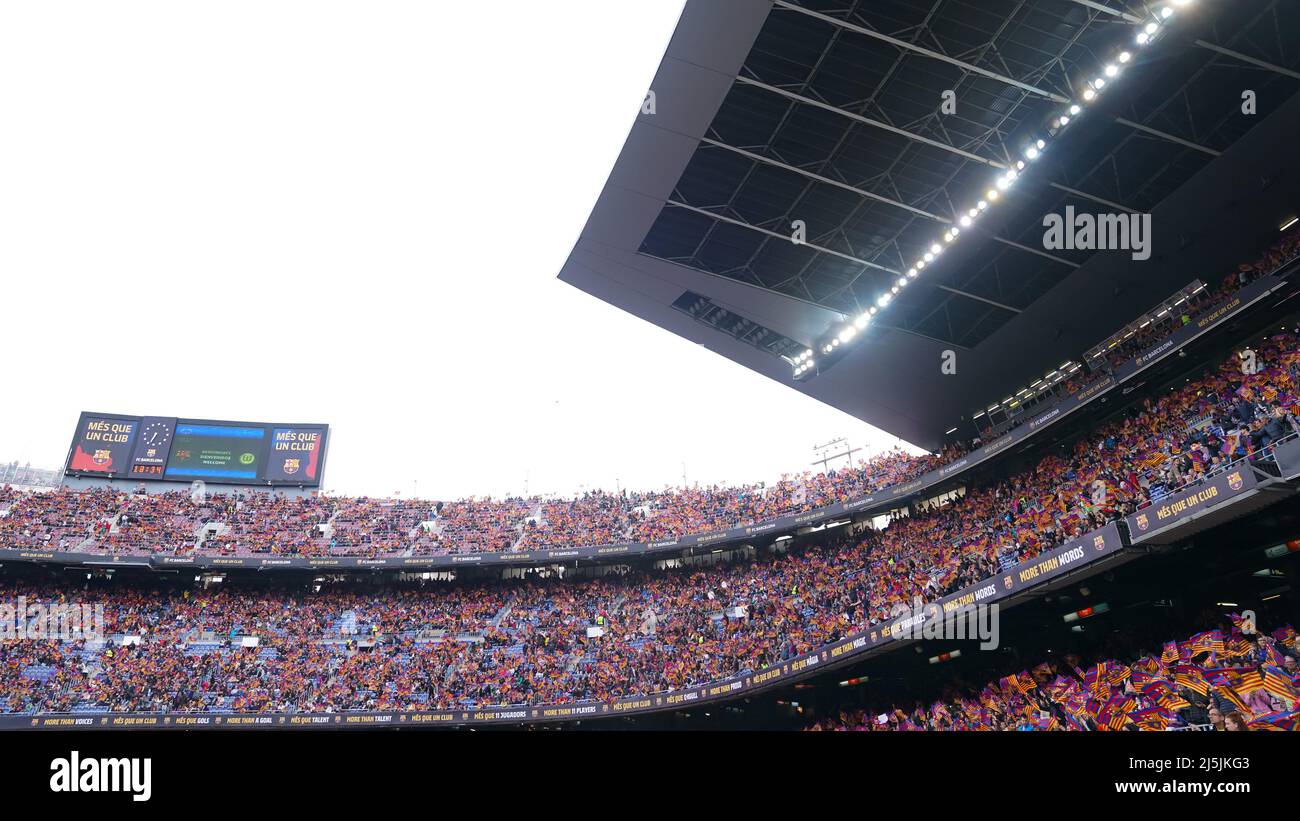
<point x="87" y="542"/>
<point x="574" y="660"/>
<point x="538" y="515"/>
<point x="346" y="623"/>
<point x="91" y="654"/>
<point x="617" y="605"/>
<point x="207" y="530"/>
<point x="495" y="623"/>
<point x="327" y="529"/>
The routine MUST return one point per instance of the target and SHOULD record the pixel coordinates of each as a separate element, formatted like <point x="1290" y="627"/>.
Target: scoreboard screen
<point x="103" y="444"/>
<point x="296" y="454"/>
<point x="216" y="452"/>
<point x="185" y="450"/>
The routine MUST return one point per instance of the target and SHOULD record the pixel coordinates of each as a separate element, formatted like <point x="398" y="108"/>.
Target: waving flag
<point x="1147" y="664"/>
<point x="1117" y="674"/>
<point x="1249" y="682"/>
<point x="1286" y="722"/>
<point x="1152" y="718"/>
<point x="1090" y="679"/>
<point x="1115" y="714"/>
<point x="1277" y="682"/>
<point x="1213" y="641"/>
<point x="988" y="698"/>
<point x="1189" y="676"/>
<point x="1285" y="634"/>
<point x="1271" y="654"/>
<point x="1222" y="680"/>
<point x="1061" y="686"/>
<point x="1025" y="682"/>
<point x="1238" y="646"/>
<point x="1165" y="695"/>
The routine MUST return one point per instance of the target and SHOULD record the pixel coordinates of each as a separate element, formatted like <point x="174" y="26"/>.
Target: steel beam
<point x="913" y="47"/>
<point x="1155" y="132"/>
<point x="1254" y="61"/>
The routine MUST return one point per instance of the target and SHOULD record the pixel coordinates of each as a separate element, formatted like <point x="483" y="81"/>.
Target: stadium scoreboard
<point x="184" y="450"/>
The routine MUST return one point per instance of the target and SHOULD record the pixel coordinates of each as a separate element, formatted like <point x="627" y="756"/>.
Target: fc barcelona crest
<point x="1234" y="480"/>
<point x="1099" y="542"/>
<point x="1142" y="522"/>
<point x="1006" y="582"/>
<point x="290" y="466"/>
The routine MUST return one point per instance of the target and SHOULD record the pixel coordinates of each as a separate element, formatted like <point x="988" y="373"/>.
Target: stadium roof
<point x="766" y="112"/>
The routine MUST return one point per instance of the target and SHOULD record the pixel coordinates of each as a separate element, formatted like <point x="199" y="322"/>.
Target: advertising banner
<point x="1190" y="502"/>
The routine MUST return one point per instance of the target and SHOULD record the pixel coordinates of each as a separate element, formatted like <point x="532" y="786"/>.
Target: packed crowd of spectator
<point x="558" y="641"/>
<point x="474" y="526"/>
<point x="1285" y="250"/>
<point x="1145" y="335"/>
<point x="1234" y="679"/>
<point x="259" y="523"/>
<point x="108" y="520"/>
<point x="551" y="640"/>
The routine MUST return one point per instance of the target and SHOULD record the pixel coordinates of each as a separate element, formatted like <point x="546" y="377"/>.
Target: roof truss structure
<point x="834" y="119"/>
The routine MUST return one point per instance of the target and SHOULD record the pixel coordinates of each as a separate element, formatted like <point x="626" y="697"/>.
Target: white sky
<point x="353" y="213"/>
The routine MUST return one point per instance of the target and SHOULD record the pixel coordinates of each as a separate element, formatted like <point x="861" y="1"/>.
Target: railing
<point x="1264" y="455"/>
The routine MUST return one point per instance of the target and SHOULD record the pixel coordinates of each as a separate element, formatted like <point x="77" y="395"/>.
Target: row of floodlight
<point x="1032" y="151"/>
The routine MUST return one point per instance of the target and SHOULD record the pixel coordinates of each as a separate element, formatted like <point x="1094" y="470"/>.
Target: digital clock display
<point x="152" y="445"/>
